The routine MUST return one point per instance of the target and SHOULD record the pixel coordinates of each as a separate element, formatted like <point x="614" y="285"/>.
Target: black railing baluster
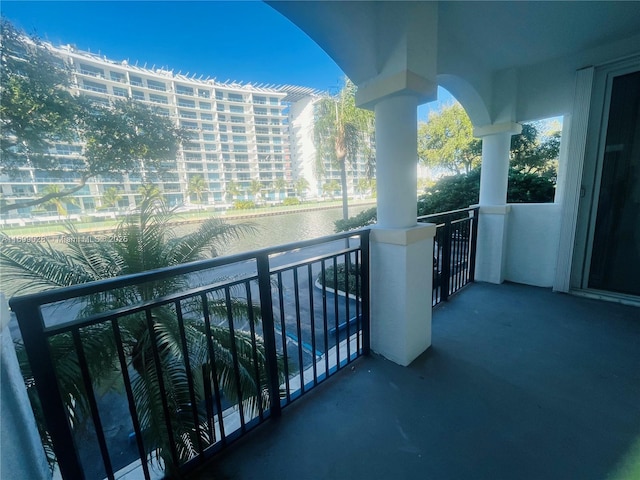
<point x="93" y="405"/>
<point x="234" y="354"/>
<point x="283" y="334"/>
<point x="161" y="385"/>
<point x="473" y="244"/>
<point x="254" y="348"/>
<point x="190" y="385"/>
<point x="446" y="260"/>
<point x="336" y="310"/>
<point x="312" y="322"/>
<point x="325" y="324"/>
<point x="214" y="370"/>
<point x="347" y="266"/>
<point x="296" y="290"/>
<point x="124" y="370"/>
<point x="269" y="331"/>
<point x="366" y="331"/>
<point x="358" y="299"/>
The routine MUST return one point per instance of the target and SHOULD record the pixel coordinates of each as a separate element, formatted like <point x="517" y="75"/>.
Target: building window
<point x="117" y="77"/>
<point x="209" y="147"/>
<point x="135" y="81"/>
<point x="235" y="97"/>
<point x="236" y="109"/>
<point x="204" y="93"/>
<point x="222" y="128"/>
<point x="206" y="116"/>
<point x="274" y="101"/>
<point x="91" y="70"/>
<point x="220" y="107"/>
<point x="260" y="100"/>
<point x="137" y="95"/>
<point x="275" y="111"/>
<point x="208" y="127"/>
<point x="205" y="105"/>
<point x="120" y="92"/>
<point x="260" y="111"/>
<point x="237" y="129"/>
<point x="219" y="95"/>
<point x="184" y="90"/>
<point x="158" y="98"/>
<point x="155" y="85"/>
<point x="186" y="114"/>
<point x="239" y="139"/>
<point x="94" y="86"/>
<point x="186" y="103"/>
<point x="210" y="137"/>
<point x="189" y="125"/>
<point x="237" y="120"/>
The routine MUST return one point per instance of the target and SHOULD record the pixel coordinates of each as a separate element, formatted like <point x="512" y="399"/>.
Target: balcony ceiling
<point x="491" y="35"/>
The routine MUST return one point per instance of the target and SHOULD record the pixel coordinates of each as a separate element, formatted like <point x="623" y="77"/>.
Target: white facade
<point x="239" y="133"/>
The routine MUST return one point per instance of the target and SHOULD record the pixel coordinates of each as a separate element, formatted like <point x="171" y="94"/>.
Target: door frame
<point x="591" y="177"/>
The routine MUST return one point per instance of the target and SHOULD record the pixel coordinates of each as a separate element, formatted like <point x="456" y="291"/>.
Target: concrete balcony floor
<point x="520" y="383"/>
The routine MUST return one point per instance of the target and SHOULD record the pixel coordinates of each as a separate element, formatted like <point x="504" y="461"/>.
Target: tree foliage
<point x="446" y="141"/>
<point x="341" y="133"/>
<point x="148" y="242"/>
<point x="38" y="111"/>
<point x="532" y="176"/>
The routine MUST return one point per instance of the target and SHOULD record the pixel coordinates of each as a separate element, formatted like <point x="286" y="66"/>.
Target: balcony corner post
<point x="266" y="307"/>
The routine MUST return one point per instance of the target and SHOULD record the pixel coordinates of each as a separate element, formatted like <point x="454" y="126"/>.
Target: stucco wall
<point x="533" y="232"/>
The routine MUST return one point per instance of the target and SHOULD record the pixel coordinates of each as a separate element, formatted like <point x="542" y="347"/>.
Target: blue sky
<point x="245" y="41"/>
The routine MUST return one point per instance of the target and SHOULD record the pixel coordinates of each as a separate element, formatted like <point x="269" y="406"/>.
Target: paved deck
<point x="520" y="383"/>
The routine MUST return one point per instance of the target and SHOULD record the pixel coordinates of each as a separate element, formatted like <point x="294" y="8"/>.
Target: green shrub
<point x="244" y="204"/>
<point x="364" y="218"/>
<point x="291" y="201"/>
<point x="342" y="279"/>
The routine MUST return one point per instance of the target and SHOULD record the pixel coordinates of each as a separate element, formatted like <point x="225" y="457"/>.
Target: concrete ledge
<point x="494" y="209"/>
<point x="403" y="236"/>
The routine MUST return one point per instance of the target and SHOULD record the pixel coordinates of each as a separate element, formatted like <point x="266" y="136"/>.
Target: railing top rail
<point x="451" y="212"/>
<point x="32" y="300"/>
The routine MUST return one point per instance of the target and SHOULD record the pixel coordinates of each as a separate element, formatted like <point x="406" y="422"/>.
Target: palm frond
<point x="32" y="267"/>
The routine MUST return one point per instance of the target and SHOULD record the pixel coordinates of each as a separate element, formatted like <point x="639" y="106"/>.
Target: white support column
<point x="401" y="250"/>
<point x="494" y="211"/>
<point x="397" y="157"/>
<point x="21" y="454"/>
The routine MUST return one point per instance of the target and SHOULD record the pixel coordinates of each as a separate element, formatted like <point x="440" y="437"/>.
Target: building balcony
<point x="519" y="383"/>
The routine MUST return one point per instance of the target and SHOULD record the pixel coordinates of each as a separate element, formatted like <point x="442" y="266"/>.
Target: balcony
<point x="520" y="383"/>
<point x="515" y="373"/>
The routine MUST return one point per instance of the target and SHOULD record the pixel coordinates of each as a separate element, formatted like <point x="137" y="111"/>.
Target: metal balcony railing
<point x="454" y="250"/>
<point x="232" y="342"/>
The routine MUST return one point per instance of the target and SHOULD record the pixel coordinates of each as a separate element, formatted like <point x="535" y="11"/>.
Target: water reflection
<point x="286" y="228"/>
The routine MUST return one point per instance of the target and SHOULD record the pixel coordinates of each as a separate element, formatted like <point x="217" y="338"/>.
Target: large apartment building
<point x="239" y="134"/>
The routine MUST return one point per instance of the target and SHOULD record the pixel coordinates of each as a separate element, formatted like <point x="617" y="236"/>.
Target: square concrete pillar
<point x="401" y="291"/>
<point x="492" y="242"/>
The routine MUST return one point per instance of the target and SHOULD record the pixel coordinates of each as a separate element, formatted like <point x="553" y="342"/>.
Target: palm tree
<point x="232" y="189"/>
<point x="342" y="132"/>
<point x="301" y="186"/>
<point x="255" y="188"/>
<point x="148" y="243"/>
<point x="110" y="197"/>
<point x="58" y="202"/>
<point x="197" y="186"/>
<point x="279" y="185"/>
